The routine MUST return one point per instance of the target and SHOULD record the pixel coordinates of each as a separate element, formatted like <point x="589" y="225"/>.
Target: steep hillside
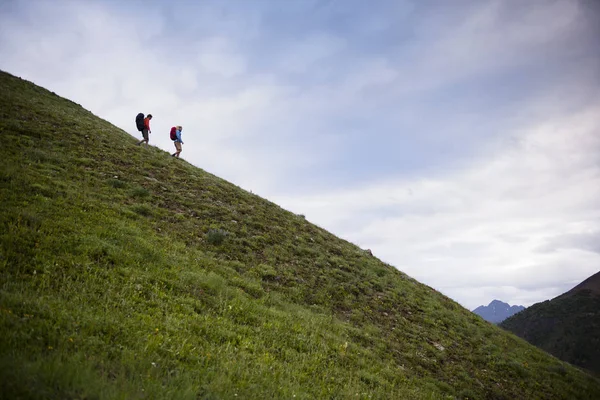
<point x="567" y="326"/>
<point x="497" y="311"/>
<point x="128" y="274"/>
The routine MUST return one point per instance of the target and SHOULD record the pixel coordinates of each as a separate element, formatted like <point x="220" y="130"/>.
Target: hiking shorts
<point x="145" y="133"/>
<point x="177" y="146"/>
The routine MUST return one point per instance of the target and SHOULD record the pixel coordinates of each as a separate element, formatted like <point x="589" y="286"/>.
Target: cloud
<point x="220" y="57"/>
<point x="587" y="241"/>
<point x="309" y="53"/>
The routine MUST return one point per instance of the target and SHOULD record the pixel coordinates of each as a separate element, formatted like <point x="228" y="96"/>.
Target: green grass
<point x="111" y="288"/>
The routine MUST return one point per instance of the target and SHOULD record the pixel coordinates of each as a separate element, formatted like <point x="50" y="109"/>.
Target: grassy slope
<point x="567" y="327"/>
<point x="109" y="288"/>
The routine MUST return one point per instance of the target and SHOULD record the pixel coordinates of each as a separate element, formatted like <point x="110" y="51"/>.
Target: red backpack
<point x="174" y="133"/>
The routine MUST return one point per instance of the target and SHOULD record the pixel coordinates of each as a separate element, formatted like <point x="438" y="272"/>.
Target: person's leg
<point x="145" y="135"/>
<point x="177" y="149"/>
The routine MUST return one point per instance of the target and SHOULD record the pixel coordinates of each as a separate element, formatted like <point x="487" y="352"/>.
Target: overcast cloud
<point x="460" y="142"/>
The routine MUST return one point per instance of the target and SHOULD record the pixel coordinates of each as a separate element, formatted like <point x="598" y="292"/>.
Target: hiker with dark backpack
<point x="143" y="125"/>
<point x="176" y="138"/>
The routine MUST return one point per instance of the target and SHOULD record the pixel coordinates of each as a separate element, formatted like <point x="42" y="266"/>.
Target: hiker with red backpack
<point x="143" y="125"/>
<point x="176" y="138"/>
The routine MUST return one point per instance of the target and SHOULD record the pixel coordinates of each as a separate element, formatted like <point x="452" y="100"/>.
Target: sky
<point x="459" y="141"/>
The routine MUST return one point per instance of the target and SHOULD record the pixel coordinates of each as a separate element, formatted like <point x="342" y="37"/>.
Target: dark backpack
<point x="139" y="122"/>
<point x="174" y="133"/>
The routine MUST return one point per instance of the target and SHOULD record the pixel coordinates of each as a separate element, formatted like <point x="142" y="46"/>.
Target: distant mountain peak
<point x="497" y="311"/>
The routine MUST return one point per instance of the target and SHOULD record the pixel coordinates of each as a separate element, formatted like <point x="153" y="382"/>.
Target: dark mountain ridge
<point x="567" y="326"/>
